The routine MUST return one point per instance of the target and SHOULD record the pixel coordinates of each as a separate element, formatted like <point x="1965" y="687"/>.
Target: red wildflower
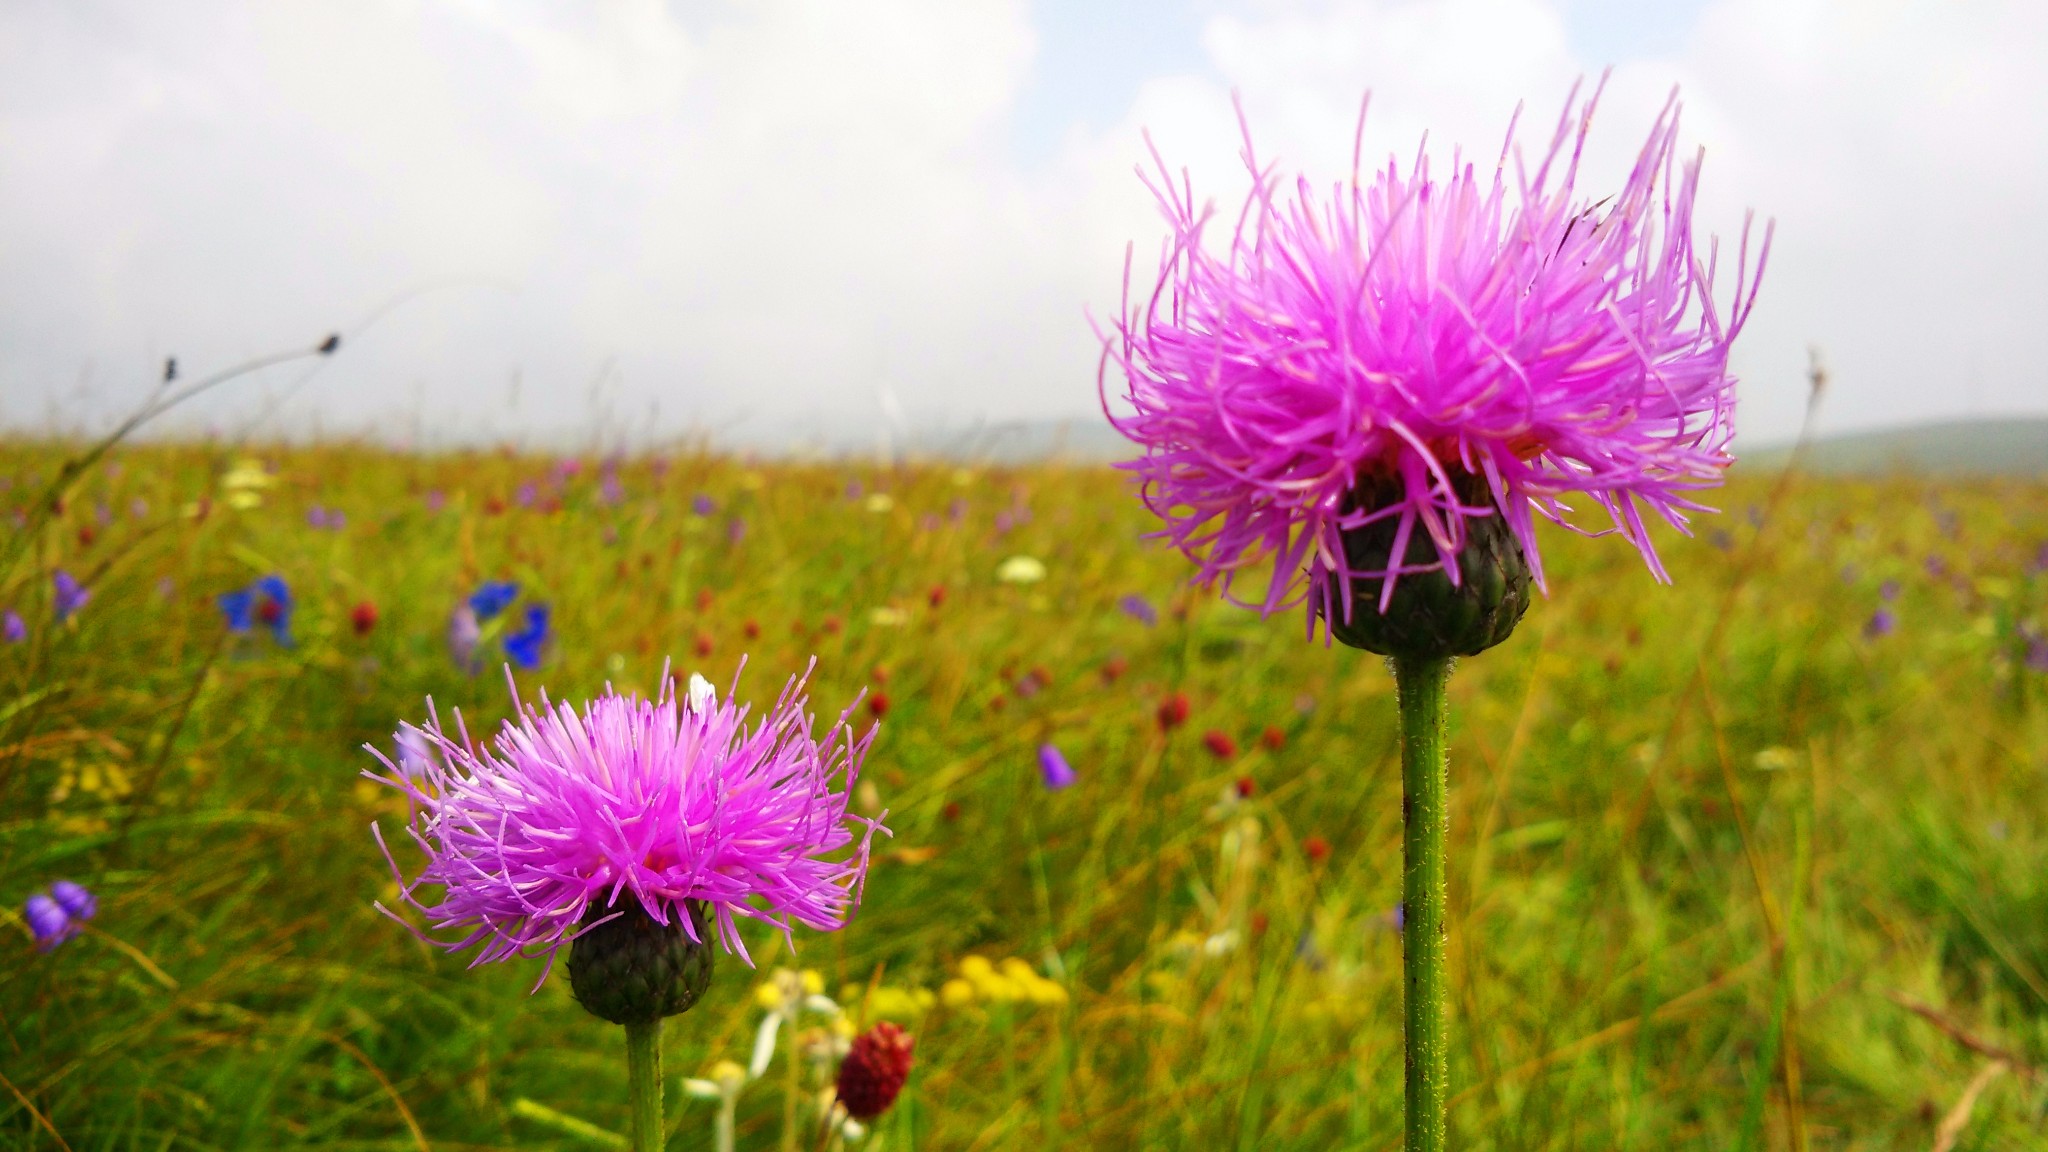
<point x="1114" y="667"/>
<point x="1173" y="711"/>
<point x="879" y="704"/>
<point x="937" y="595"/>
<point x="1273" y="738"/>
<point x="1220" y="745"/>
<point x="703" y="645"/>
<point x="1245" y="786"/>
<point x="1316" y="849"/>
<point x="752" y="628"/>
<point x="363" y="617"/>
<point x="874" y="1070"/>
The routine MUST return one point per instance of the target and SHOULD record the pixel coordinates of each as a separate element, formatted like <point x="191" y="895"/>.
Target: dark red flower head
<point x="363" y="617"/>
<point x="1220" y="744"/>
<point x="1173" y="711"/>
<point x="874" y="1070"/>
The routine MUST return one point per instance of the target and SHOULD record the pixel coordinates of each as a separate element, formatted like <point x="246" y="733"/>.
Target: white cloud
<point x="767" y="210"/>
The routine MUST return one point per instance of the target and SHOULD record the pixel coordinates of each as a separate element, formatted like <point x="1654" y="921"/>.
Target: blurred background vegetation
<point x="1755" y="861"/>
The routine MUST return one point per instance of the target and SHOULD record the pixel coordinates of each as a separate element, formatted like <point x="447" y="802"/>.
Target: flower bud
<point x="874" y="1070"/>
<point x="1428" y="616"/>
<point x="632" y="970"/>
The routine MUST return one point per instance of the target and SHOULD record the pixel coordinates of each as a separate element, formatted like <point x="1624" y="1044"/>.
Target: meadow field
<point x="1758" y="860"/>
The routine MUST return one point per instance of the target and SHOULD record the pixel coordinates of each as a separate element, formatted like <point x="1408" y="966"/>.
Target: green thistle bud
<point x="1428" y="616"/>
<point x="631" y="970"/>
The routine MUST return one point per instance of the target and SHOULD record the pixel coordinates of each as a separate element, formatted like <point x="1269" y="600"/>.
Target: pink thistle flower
<point x="665" y="800"/>
<point x="1429" y="350"/>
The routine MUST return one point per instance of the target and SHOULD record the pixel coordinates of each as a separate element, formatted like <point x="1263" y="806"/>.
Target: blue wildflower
<point x="267" y="602"/>
<point x="68" y="594"/>
<point x="47" y="922"/>
<point x="525" y="646"/>
<point x="493" y="597"/>
<point x="1883" y="622"/>
<point x="56" y="916"/>
<point x="77" y="903"/>
<point x="1140" y="609"/>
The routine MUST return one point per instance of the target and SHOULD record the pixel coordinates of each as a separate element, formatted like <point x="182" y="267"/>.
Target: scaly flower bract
<point x="652" y="798"/>
<point x="1464" y="347"/>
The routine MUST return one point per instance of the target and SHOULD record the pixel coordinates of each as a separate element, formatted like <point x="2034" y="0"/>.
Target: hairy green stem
<point x="1425" y="823"/>
<point x="643" y="1084"/>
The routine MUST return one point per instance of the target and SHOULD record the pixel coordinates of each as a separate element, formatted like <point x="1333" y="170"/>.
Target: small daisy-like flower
<point x="674" y="805"/>
<point x="1354" y="389"/>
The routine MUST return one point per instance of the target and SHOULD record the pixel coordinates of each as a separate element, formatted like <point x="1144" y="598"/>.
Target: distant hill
<point x="2002" y="446"/>
<point x="1998" y="446"/>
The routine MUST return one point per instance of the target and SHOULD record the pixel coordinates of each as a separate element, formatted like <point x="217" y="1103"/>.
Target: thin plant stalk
<point x="643" y="1085"/>
<point x="1420" y="682"/>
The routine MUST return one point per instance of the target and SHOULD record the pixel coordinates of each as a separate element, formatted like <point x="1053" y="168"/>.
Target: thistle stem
<point x="643" y="1084"/>
<point x="1419" y="683"/>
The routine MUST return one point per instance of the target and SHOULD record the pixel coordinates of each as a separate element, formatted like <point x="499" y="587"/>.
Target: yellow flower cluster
<point x="771" y="994"/>
<point x="888" y="1002"/>
<point x="1009" y="982"/>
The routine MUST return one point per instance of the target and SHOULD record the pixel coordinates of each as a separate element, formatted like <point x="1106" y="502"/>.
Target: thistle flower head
<point x="660" y="802"/>
<point x="1458" y="345"/>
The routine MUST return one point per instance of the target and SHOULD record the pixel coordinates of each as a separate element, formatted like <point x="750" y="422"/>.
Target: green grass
<point x="1708" y="841"/>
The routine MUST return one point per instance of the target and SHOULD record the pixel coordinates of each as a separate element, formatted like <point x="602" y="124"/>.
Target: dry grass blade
<point x="1958" y="1117"/>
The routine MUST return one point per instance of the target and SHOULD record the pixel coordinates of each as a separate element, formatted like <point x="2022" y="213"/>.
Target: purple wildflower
<point x="68" y="595"/>
<point x="527" y="495"/>
<point x="12" y="627"/>
<point x="735" y="530"/>
<point x="854" y="490"/>
<point x="1138" y="608"/>
<point x="76" y="902"/>
<point x="436" y="500"/>
<point x="2041" y="558"/>
<point x="666" y="800"/>
<point x="1883" y="622"/>
<point x="1936" y="567"/>
<point x="610" y="490"/>
<point x="47" y="922"/>
<point x="1429" y="339"/>
<point x="415" y="751"/>
<point x="956" y="511"/>
<point x="316" y="517"/>
<point x="1888" y="591"/>
<point x="703" y="505"/>
<point x="2037" y="653"/>
<point x="1053" y="766"/>
<point x="463" y="635"/>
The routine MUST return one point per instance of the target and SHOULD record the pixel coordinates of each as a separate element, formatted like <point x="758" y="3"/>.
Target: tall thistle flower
<point x="1378" y="393"/>
<point x="637" y="833"/>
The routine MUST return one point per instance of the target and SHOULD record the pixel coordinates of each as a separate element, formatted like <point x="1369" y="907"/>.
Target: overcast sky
<point x="749" y="216"/>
